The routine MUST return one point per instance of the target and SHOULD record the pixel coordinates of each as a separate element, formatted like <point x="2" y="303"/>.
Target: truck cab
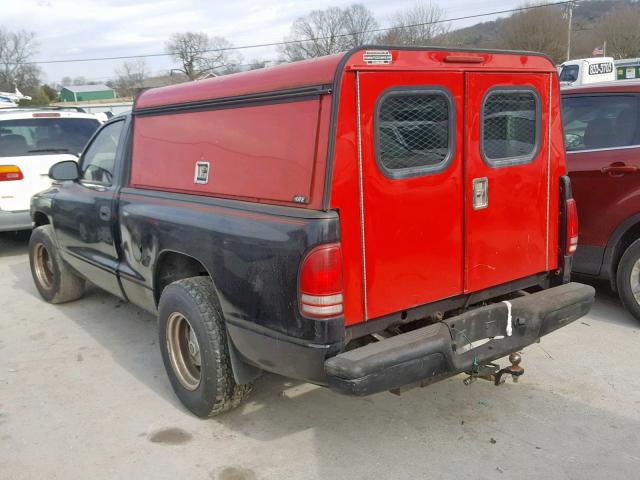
<point x="585" y="71"/>
<point x="365" y="221"/>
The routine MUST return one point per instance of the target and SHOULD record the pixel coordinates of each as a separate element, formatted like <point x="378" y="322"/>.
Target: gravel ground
<point x="83" y="394"/>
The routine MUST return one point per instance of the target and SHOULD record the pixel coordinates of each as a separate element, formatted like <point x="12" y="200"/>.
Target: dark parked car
<point x="602" y="138"/>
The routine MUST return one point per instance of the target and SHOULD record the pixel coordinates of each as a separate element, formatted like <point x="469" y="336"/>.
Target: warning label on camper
<point x="377" y="57"/>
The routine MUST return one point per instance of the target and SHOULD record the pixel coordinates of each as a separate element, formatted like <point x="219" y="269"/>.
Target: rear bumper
<point x="19" y="220"/>
<point x="430" y="352"/>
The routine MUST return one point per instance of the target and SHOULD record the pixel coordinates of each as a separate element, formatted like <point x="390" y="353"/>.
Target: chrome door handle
<point x="480" y="188"/>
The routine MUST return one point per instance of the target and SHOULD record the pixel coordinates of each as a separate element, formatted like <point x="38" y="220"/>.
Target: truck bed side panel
<point x="251" y="251"/>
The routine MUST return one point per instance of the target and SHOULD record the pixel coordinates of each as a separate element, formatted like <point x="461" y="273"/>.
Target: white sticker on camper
<point x="377" y="57"/>
<point x="600" y="68"/>
<point x="202" y="173"/>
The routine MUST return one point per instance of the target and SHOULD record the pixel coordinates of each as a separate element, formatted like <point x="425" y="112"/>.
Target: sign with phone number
<point x="600" y="68"/>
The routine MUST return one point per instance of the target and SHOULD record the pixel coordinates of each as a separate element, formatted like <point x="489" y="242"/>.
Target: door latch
<point x="480" y="193"/>
<point x="105" y="213"/>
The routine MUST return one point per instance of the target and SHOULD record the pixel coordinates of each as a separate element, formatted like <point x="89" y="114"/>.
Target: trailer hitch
<point x="493" y="373"/>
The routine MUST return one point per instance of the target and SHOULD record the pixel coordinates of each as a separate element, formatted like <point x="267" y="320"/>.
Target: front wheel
<point x="628" y="279"/>
<point x="54" y="279"/>
<point x="194" y="348"/>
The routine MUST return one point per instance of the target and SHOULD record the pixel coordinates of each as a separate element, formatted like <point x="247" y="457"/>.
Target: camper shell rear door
<point x="507" y="183"/>
<point x="411" y="187"/>
<point x="454" y="182"/>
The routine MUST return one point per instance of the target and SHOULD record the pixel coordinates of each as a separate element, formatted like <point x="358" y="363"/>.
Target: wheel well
<point x="173" y="266"/>
<point x="40" y="219"/>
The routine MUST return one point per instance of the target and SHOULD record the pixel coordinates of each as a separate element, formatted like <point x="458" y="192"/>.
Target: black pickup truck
<point x="319" y="220"/>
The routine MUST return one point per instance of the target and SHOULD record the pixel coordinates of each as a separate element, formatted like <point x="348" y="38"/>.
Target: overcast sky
<point x="69" y="29"/>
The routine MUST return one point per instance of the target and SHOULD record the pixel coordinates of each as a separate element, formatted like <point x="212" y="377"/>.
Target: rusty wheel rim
<point x="43" y="264"/>
<point x="184" y="351"/>
<point x="635" y="281"/>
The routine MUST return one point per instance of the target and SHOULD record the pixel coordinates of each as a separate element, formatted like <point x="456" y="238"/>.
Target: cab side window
<point x="599" y="122"/>
<point x="569" y="73"/>
<point x="99" y="160"/>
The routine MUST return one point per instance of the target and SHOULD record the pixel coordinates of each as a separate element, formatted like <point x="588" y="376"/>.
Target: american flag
<point x="598" y="52"/>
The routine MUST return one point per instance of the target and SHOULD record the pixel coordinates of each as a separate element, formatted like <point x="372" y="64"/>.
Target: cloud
<point x="94" y="28"/>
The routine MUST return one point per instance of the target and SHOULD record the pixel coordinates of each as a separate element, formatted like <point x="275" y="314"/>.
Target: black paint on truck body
<point x="251" y="251"/>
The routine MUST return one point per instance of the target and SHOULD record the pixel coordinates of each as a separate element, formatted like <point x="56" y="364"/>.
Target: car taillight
<point x="572" y="227"/>
<point x="46" y="115"/>
<point x="9" y="173"/>
<point x="320" y="282"/>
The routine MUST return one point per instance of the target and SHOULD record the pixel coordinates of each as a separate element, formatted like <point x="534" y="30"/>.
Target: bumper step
<point x="430" y="352"/>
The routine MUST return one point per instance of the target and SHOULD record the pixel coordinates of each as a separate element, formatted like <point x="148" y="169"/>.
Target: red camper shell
<point x="444" y="166"/>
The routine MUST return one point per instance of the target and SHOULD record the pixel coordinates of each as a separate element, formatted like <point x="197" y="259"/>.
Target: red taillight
<point x="320" y="283"/>
<point x="9" y="173"/>
<point x="572" y="227"/>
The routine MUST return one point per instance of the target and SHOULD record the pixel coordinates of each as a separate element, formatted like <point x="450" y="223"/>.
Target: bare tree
<point x="324" y="32"/>
<point x="359" y="24"/>
<point x="419" y="25"/>
<point x="130" y="77"/>
<point x="66" y="81"/>
<point x="257" y="64"/>
<point x="16" y="50"/>
<point x="199" y="54"/>
<point x="50" y="92"/>
<point x="621" y="30"/>
<point x="539" y="30"/>
<point x="316" y="34"/>
<point x="80" y="80"/>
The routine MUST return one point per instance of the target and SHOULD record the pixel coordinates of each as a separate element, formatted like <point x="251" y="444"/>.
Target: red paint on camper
<point x="310" y="135"/>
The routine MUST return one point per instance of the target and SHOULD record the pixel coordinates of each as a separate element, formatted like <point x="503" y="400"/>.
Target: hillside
<point x="585" y="36"/>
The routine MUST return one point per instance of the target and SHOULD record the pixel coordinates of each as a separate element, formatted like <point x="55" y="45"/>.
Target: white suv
<point x="31" y="141"/>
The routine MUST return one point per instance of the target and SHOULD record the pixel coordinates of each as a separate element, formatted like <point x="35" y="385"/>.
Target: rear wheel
<point x="54" y="279"/>
<point x="628" y="279"/>
<point x="194" y="348"/>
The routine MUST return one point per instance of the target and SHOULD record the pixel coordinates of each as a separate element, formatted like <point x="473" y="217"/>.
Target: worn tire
<point x="628" y="275"/>
<point x="195" y="299"/>
<point x="56" y="282"/>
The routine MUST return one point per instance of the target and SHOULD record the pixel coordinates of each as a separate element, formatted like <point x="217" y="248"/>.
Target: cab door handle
<point x="105" y="213"/>
<point x="619" y="169"/>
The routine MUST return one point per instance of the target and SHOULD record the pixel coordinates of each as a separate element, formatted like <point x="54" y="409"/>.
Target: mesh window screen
<point x="413" y="130"/>
<point x="510" y="126"/>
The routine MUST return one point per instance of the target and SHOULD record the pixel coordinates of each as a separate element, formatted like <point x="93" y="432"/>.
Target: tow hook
<point x="494" y="373"/>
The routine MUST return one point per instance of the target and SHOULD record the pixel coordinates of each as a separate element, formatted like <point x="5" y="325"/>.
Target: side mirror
<point x="65" y="170"/>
